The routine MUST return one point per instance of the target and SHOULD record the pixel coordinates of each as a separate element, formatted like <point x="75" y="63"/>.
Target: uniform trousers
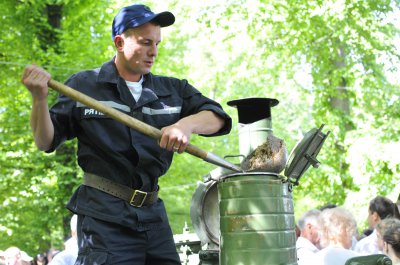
<point x="102" y="242"/>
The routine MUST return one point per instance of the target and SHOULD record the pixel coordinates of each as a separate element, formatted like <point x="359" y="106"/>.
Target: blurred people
<point x="2" y="259"/>
<point x="391" y="244"/>
<point x="40" y="259"/>
<point x="25" y="258"/>
<point x="14" y="256"/>
<point x="50" y="254"/>
<point x="308" y="242"/>
<point x="384" y="225"/>
<point x="337" y="227"/>
<point x="379" y="208"/>
<point x="70" y="253"/>
<point x="72" y="243"/>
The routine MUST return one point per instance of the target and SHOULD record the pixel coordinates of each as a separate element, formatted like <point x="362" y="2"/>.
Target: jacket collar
<point x="108" y="73"/>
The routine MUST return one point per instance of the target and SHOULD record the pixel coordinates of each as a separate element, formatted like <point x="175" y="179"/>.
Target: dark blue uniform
<point x="111" y="230"/>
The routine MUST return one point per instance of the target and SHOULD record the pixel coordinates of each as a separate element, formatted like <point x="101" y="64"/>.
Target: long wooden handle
<point x="119" y="116"/>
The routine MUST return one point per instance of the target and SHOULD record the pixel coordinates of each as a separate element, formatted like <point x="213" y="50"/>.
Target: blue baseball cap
<point x="136" y="15"/>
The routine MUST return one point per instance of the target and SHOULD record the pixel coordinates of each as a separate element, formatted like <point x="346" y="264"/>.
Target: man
<point x="120" y="218"/>
<point x="308" y="242"/>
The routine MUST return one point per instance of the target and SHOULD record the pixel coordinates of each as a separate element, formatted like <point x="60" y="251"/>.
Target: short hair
<point x="310" y="216"/>
<point x="384" y="207"/>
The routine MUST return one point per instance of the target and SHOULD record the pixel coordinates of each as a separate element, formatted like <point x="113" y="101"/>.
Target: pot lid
<point x="305" y="154"/>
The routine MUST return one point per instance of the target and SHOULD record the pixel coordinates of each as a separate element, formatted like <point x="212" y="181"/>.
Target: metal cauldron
<point x="248" y="218"/>
<point x="257" y="223"/>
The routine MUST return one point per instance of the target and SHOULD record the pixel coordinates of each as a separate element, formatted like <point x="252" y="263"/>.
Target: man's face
<point x="373" y="219"/>
<point x="139" y="49"/>
<point x="315" y="235"/>
<point x="311" y="232"/>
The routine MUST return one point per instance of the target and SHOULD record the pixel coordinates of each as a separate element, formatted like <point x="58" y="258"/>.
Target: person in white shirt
<point x="379" y="208"/>
<point x="70" y="253"/>
<point x="337" y="227"/>
<point x="308" y="242"/>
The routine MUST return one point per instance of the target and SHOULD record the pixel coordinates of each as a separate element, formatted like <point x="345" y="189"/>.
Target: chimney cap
<point x="253" y="109"/>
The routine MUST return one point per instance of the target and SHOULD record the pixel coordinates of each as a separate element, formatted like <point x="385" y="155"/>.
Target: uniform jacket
<point x="112" y="150"/>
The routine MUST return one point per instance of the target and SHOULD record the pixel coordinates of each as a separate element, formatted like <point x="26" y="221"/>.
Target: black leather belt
<point x="136" y="198"/>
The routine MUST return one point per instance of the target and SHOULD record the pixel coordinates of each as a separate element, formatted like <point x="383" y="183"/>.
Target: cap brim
<point x="164" y="19"/>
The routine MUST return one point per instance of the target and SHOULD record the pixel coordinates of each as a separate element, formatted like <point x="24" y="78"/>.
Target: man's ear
<point x="376" y="217"/>
<point x="119" y="43"/>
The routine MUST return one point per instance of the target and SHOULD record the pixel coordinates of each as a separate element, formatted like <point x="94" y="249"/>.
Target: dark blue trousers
<point x="102" y="242"/>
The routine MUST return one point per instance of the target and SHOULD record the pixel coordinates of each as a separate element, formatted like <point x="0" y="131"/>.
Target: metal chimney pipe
<point x="255" y="122"/>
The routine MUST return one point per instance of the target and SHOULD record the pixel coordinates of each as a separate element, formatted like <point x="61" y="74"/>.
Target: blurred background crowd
<point x="15" y="256"/>
<point x="325" y="236"/>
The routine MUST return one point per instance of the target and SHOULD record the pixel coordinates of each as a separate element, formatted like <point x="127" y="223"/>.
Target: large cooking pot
<point x="249" y="216"/>
<point x="256" y="220"/>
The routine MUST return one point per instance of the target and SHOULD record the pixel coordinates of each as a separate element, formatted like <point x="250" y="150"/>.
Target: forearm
<point x="204" y="122"/>
<point x="41" y="124"/>
<point x="176" y="136"/>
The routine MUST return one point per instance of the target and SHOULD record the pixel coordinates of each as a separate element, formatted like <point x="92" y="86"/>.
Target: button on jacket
<point x="112" y="150"/>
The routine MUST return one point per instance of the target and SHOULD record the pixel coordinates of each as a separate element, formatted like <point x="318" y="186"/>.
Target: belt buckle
<point x="133" y="198"/>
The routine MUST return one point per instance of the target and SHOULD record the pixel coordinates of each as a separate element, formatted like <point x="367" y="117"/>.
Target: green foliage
<point x="36" y="187"/>
<point x="327" y="62"/>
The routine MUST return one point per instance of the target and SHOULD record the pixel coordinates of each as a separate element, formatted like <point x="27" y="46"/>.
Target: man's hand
<point x="35" y="79"/>
<point x="175" y="137"/>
